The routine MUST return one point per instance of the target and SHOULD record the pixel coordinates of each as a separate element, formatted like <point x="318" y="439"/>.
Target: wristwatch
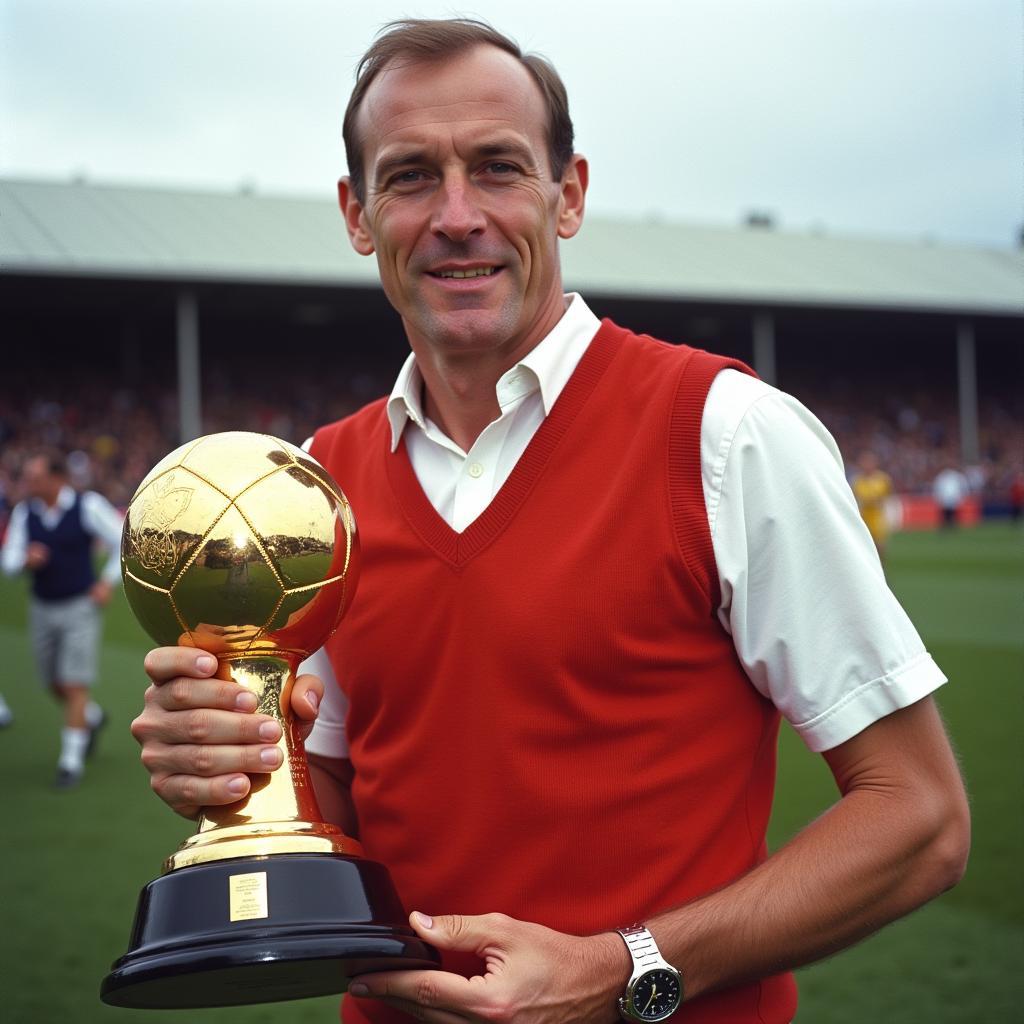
<point x="655" y="988"/>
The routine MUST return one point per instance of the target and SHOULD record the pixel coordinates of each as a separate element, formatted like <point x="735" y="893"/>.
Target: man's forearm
<point x="15" y="546"/>
<point x="897" y="838"/>
<point x="332" y="782"/>
<point x="829" y="887"/>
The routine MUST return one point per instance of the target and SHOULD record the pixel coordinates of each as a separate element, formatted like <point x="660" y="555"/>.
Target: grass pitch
<point x="72" y="863"/>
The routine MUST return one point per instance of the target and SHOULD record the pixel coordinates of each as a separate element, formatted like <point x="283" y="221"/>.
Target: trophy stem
<point x="280" y="813"/>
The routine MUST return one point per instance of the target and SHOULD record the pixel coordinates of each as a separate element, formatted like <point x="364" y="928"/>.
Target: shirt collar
<point x="549" y="364"/>
<point x="65" y="499"/>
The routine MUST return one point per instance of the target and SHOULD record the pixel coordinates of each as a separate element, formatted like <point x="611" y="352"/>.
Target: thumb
<point x="307" y="693"/>
<point x="463" y="932"/>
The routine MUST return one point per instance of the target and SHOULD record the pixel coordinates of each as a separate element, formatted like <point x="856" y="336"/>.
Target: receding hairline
<point x="403" y="63"/>
<point x="410" y="42"/>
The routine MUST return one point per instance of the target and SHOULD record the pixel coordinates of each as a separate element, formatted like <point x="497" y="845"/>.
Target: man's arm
<point x="897" y="837"/>
<point x="14" y="552"/>
<point x="104" y="522"/>
<point x="332" y="783"/>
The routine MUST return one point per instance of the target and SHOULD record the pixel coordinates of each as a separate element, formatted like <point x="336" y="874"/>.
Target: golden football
<point x="240" y="544"/>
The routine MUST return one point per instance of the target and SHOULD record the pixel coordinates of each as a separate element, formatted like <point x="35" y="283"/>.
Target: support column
<point x="189" y="415"/>
<point x="967" y="387"/>
<point x="764" y="346"/>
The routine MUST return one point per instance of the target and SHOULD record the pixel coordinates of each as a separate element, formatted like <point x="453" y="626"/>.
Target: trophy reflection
<point x="243" y="546"/>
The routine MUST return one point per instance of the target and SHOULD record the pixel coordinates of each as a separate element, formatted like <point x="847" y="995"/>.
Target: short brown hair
<point x="420" y="40"/>
<point x="55" y="462"/>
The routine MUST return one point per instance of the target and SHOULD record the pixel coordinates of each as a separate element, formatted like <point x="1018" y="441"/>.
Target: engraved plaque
<point x="248" y="896"/>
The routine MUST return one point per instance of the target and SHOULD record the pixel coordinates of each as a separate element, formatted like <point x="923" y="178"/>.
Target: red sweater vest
<point x="545" y="716"/>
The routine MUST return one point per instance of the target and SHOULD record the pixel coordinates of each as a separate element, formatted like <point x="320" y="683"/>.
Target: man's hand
<point x="36" y="555"/>
<point x="199" y="735"/>
<point x="101" y="592"/>
<point x="533" y="975"/>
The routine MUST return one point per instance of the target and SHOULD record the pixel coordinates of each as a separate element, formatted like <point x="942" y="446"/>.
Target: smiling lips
<point x="471" y="272"/>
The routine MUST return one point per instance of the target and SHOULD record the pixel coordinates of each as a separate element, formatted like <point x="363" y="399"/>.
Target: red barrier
<point x="921" y="512"/>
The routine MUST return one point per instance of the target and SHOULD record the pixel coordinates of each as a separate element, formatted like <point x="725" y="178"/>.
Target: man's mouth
<point x="461" y="274"/>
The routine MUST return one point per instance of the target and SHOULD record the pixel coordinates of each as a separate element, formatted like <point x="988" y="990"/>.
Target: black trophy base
<point x="325" y="919"/>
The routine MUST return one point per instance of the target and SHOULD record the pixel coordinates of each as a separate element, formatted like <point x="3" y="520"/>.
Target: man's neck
<point x="460" y="389"/>
<point x="461" y="399"/>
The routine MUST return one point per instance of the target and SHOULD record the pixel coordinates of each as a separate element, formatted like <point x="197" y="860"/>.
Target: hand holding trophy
<point x="243" y="546"/>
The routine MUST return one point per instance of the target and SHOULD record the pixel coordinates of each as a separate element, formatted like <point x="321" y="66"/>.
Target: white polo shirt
<point x="823" y="638"/>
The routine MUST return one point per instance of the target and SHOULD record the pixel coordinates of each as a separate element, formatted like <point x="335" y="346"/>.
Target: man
<point x="595" y="568"/>
<point x="51" y="536"/>
<point x="950" y="490"/>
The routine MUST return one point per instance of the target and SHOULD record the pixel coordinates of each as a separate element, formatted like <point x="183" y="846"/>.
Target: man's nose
<point x="457" y="215"/>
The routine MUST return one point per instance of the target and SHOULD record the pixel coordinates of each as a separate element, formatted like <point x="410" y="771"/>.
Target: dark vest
<point x="69" y="571"/>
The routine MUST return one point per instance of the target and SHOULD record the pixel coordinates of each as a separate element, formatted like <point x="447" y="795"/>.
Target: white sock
<point x="72" y="749"/>
<point x="6" y="715"/>
<point x="93" y="714"/>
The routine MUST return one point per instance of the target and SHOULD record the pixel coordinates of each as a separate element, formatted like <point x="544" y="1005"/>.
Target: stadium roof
<point x="84" y="229"/>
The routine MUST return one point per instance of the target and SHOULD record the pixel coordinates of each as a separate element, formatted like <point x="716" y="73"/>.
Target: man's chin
<point x="468" y="330"/>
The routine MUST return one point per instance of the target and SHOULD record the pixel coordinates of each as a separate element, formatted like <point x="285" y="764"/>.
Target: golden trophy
<point x="242" y="545"/>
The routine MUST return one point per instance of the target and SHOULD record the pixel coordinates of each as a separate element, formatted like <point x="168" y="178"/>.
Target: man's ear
<point x="573" y="199"/>
<point x="355" y="219"/>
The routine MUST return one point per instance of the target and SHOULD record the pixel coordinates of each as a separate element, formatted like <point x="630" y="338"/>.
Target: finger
<point x="436" y="991"/>
<point x="184" y="693"/>
<point x="166" y="663"/>
<point x="203" y="725"/>
<point x="307" y="693"/>
<point x="209" y="761"/>
<point x="189" y="794"/>
<point x="473" y="934"/>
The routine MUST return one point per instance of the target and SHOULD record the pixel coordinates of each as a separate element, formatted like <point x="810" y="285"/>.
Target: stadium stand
<point x="136" y="317"/>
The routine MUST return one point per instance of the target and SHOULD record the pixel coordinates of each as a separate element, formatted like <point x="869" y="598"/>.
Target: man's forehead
<point x="483" y="85"/>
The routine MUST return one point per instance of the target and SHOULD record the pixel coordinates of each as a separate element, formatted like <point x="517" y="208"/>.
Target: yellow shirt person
<point x="872" y="487"/>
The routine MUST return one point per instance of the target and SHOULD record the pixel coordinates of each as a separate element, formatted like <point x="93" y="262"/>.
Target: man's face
<point x="461" y="206"/>
<point x="38" y="481"/>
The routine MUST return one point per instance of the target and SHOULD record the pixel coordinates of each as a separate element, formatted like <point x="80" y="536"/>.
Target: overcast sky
<point x="881" y="117"/>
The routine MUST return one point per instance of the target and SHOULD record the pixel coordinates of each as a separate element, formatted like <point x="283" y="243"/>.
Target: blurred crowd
<point x="114" y="435"/>
<point x="915" y="439"/>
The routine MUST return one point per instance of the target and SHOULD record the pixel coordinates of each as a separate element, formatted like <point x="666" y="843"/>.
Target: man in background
<point x="950" y="490"/>
<point x="51" y="537"/>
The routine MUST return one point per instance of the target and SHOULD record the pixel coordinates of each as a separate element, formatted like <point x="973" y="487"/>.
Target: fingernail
<point x="270" y="730"/>
<point x="246" y="701"/>
<point x="238" y="785"/>
<point x="206" y="663"/>
<point x="314" y="702"/>
<point x="270" y="756"/>
<point x="425" y="920"/>
<point x="357" y="988"/>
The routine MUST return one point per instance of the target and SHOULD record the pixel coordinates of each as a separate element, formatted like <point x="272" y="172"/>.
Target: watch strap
<point x="642" y="947"/>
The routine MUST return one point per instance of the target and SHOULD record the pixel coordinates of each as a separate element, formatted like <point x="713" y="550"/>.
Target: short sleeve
<point x="804" y="597"/>
<point x="328" y="737"/>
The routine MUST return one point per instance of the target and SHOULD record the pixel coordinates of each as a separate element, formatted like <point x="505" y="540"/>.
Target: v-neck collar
<point x="460" y="548"/>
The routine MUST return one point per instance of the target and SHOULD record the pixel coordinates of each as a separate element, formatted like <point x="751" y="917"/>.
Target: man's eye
<point x="501" y="167"/>
<point x="407" y="178"/>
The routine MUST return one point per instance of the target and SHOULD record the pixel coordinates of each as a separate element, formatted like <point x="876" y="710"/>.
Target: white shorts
<point x="66" y="639"/>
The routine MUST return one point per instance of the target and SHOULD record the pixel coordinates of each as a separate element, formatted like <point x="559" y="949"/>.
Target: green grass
<point x="72" y="864"/>
<point x="959" y="958"/>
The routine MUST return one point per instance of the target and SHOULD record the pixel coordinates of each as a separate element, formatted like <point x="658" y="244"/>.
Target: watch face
<point x="655" y="994"/>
